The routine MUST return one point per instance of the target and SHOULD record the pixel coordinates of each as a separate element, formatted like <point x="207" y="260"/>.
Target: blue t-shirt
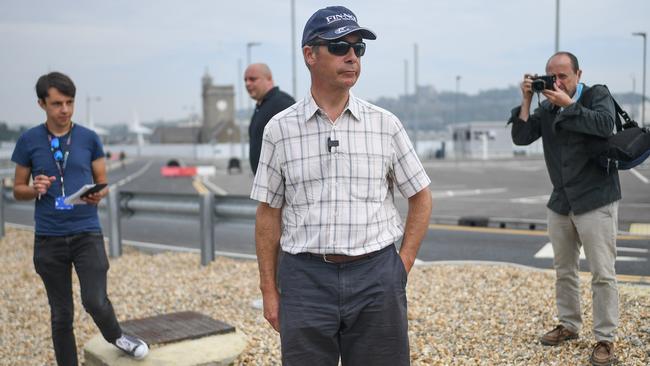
<point x="33" y="150"/>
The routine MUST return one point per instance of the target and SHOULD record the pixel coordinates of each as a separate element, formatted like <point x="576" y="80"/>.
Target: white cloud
<point x="150" y="55"/>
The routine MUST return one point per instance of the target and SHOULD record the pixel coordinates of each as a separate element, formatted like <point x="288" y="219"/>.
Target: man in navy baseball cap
<point x="333" y="22"/>
<point x="329" y="166"/>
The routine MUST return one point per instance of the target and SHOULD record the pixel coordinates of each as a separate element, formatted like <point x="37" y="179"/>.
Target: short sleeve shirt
<point x="337" y="199"/>
<point x="33" y="150"/>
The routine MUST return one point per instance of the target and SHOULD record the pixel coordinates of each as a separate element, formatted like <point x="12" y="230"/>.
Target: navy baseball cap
<point x="332" y="23"/>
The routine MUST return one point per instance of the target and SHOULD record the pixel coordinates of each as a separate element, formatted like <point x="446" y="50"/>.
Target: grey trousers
<point x="596" y="232"/>
<point x="354" y="311"/>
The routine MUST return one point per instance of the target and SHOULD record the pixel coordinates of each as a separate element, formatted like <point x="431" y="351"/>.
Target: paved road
<point x="504" y="189"/>
<point x="519" y="189"/>
<point x="445" y="243"/>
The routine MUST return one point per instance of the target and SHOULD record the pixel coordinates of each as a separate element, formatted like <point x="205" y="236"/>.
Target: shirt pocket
<point x="305" y="181"/>
<point x="368" y="178"/>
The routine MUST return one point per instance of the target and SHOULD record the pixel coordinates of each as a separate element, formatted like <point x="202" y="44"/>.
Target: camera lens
<point x="538" y="85"/>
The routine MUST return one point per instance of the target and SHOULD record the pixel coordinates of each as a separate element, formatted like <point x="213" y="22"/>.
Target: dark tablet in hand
<point x="98" y="187"/>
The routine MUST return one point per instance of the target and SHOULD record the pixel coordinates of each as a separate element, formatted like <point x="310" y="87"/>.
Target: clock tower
<point x="218" y="112"/>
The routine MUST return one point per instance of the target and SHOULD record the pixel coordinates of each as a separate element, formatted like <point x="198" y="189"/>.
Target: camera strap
<point x="539" y="99"/>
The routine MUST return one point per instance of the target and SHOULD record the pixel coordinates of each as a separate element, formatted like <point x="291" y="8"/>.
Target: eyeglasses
<point x="341" y="48"/>
<point x="55" y="146"/>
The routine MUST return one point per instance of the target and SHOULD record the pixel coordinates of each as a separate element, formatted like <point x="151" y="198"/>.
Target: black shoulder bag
<point x="627" y="148"/>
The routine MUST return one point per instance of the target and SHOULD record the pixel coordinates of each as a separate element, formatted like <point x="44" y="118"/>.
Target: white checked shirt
<point x="338" y="202"/>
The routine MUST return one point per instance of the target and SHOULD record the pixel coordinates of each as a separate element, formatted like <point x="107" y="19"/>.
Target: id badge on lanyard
<point x="59" y="204"/>
<point x="60" y="159"/>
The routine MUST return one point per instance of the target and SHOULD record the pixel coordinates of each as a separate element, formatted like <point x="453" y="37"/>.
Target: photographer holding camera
<point x="583" y="207"/>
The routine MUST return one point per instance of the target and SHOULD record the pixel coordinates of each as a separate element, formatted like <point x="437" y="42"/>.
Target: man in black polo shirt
<point x="270" y="101"/>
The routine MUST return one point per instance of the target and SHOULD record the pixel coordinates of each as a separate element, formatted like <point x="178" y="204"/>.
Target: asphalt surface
<point x="509" y="189"/>
<point x="519" y="189"/>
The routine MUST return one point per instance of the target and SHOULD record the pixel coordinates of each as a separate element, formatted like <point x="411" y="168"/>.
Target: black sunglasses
<point x="341" y="48"/>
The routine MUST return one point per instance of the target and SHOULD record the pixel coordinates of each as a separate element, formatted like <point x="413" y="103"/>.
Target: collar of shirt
<point x="576" y="95"/>
<point x="268" y="95"/>
<point x="578" y="92"/>
<point x="311" y="107"/>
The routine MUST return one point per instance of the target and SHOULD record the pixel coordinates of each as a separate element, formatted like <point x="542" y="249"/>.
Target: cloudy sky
<point x="149" y="55"/>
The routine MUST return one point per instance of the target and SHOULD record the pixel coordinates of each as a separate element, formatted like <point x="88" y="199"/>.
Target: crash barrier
<point x="474" y="221"/>
<point x="493" y="222"/>
<point x="206" y="207"/>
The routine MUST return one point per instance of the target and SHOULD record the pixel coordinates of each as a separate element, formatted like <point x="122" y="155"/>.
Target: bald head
<point x="259" y="81"/>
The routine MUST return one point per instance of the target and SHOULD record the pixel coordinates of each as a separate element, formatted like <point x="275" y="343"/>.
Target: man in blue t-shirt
<point x="60" y="157"/>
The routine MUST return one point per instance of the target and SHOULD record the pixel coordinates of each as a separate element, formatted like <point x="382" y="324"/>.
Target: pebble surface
<point x="458" y="314"/>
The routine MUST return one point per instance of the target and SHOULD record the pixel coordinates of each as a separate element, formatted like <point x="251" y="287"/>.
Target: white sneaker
<point x="133" y="346"/>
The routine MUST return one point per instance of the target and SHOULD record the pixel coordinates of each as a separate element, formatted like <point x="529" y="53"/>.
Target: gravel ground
<point x="459" y="314"/>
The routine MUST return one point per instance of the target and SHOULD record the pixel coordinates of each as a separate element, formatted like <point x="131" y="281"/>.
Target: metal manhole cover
<point x="175" y="327"/>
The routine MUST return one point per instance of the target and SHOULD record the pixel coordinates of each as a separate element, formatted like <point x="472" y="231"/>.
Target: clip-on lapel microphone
<point x="331" y="143"/>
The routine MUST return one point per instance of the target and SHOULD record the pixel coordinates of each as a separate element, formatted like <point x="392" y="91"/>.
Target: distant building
<point x="482" y="140"/>
<point x="218" y="124"/>
<point x="176" y="134"/>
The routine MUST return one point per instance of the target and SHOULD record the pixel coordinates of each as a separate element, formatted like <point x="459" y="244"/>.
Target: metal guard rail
<point x="208" y="207"/>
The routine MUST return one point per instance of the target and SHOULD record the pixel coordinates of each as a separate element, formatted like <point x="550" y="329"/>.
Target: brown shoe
<point x="558" y="335"/>
<point x="603" y="354"/>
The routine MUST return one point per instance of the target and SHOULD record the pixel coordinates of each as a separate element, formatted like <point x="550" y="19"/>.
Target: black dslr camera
<point x="543" y="82"/>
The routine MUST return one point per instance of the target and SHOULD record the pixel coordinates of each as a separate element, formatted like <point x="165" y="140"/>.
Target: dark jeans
<point x="53" y="260"/>
<point x="355" y="311"/>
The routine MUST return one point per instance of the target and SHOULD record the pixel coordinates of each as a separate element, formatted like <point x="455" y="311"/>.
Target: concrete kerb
<point x="642" y="282"/>
<point x="216" y="350"/>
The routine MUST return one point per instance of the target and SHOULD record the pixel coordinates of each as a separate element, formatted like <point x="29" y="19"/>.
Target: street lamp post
<point x="238" y="120"/>
<point x="250" y="45"/>
<point x="557" y="25"/>
<point x="293" y="49"/>
<point x="633" y="92"/>
<point x="456" y="99"/>
<point x="406" y="78"/>
<point x="89" y="120"/>
<point x="240" y="86"/>
<point x="417" y="98"/>
<point x="645" y="42"/>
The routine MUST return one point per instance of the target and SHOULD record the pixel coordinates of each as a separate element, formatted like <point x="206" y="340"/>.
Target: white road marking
<point x="206" y="170"/>
<point x="133" y="176"/>
<point x="531" y="199"/>
<point x="213" y="187"/>
<point x="633" y="250"/>
<point x="640" y="176"/>
<point x="466" y="192"/>
<point x="640" y="228"/>
<point x="547" y="252"/>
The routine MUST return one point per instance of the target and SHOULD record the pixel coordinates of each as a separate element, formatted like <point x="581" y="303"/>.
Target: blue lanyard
<point x="66" y="153"/>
